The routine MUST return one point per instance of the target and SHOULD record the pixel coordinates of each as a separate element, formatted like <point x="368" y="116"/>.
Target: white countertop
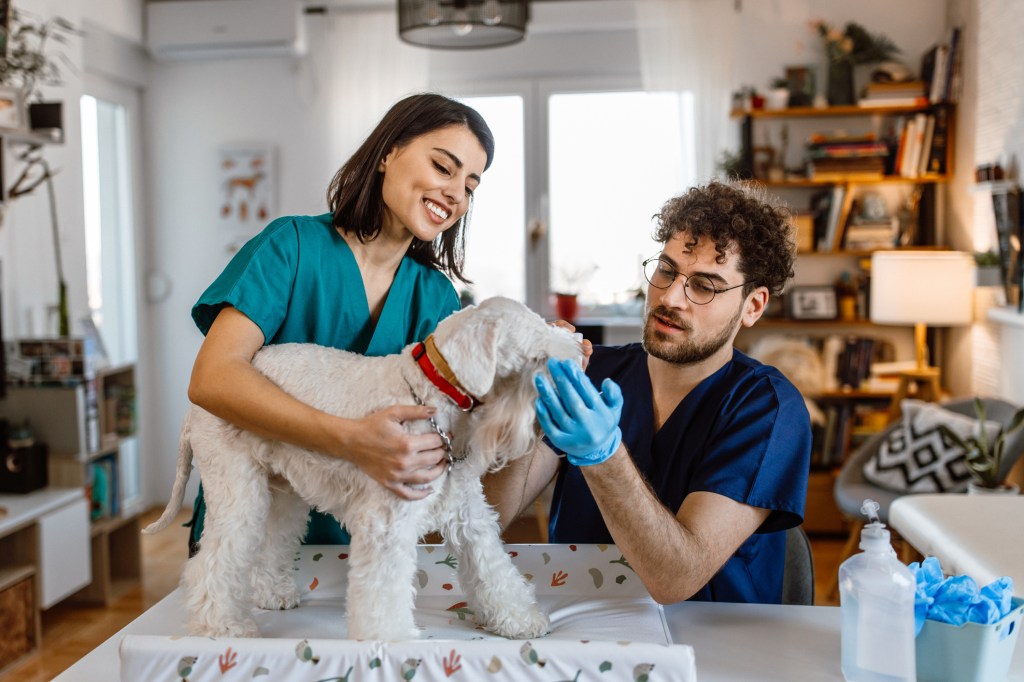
<point x="977" y="535"/>
<point x="25" y="509"/>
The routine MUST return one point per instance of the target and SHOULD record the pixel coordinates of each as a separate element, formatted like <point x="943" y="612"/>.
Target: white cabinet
<point x="44" y="557"/>
<point x="64" y="552"/>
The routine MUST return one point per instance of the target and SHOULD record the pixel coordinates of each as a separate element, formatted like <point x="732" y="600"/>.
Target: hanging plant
<point x="28" y="63"/>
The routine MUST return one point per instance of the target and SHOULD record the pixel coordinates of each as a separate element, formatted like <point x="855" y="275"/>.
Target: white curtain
<point x="688" y="46"/>
<point x="369" y="69"/>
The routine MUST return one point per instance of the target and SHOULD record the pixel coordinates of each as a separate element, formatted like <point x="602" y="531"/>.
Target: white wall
<point x="993" y="129"/>
<point x="192" y="109"/>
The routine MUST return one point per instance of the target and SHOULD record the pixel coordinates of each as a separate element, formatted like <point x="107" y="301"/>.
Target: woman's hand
<point x="404" y="463"/>
<point x="225" y="383"/>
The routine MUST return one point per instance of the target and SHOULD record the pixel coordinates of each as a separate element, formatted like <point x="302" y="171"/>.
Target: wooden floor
<point x="70" y="632"/>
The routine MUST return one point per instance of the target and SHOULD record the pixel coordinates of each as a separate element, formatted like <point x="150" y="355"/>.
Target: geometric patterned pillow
<point x="917" y="457"/>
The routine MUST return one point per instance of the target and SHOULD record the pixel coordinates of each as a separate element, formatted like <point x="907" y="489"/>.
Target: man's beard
<point x="683" y="351"/>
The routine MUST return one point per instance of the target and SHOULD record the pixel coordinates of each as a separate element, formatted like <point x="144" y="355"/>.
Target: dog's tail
<point x="180" y="480"/>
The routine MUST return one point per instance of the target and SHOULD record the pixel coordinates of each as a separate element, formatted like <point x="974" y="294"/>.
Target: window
<point x="571" y="210"/>
<point x="495" y="251"/>
<point x="614" y="158"/>
<point x="109" y="210"/>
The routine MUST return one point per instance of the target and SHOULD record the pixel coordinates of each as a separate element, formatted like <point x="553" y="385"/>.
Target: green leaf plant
<point x="985" y="459"/>
<point x="29" y="62"/>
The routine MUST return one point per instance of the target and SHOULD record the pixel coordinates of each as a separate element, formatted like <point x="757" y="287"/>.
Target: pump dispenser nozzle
<point x="874" y="537"/>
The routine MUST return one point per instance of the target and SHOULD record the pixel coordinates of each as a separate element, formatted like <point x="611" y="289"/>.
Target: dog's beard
<point x="683" y="349"/>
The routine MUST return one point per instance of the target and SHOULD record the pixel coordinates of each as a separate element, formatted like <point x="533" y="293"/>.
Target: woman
<point x="366" y="277"/>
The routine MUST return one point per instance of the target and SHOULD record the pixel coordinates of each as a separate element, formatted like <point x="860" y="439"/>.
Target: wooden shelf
<point x="26" y="136"/>
<point x="116" y="560"/>
<point x="9" y="575"/>
<point x="852" y="180"/>
<point x="826" y="112"/>
<point x="866" y="253"/>
<point x="789" y="322"/>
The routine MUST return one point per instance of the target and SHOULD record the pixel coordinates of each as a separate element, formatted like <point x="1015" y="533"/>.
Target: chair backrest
<point x="798" y="574"/>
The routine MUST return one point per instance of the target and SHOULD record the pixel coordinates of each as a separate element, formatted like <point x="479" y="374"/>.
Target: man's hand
<point x="586" y="346"/>
<point x="578" y="419"/>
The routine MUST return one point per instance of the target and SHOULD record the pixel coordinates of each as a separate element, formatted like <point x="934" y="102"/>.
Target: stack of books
<point x="901" y="94"/>
<point x="868" y="235"/>
<point x="838" y="156"/>
<point x="940" y="68"/>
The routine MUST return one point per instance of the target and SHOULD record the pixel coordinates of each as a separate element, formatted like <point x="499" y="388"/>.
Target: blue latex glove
<point x="954" y="599"/>
<point x="957" y="600"/>
<point x="579" y="421"/>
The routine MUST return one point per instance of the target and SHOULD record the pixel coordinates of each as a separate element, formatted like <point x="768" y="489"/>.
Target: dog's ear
<point x="472" y="354"/>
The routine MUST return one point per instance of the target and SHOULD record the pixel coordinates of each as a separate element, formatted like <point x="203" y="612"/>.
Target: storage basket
<point x="969" y="652"/>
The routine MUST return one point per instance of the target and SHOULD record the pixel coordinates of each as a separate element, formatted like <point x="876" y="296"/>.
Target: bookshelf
<point x="838" y="132"/>
<point x="89" y="426"/>
<point x="913" y="198"/>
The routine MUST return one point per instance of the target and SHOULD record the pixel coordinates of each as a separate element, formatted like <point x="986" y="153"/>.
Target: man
<point x="693" y="457"/>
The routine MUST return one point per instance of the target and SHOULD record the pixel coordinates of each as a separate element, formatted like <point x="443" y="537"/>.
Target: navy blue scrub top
<point x="743" y="432"/>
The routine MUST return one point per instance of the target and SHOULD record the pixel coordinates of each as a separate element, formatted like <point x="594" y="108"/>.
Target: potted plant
<point x="572" y="280"/>
<point x="778" y="94"/>
<point x="985" y="459"/>
<point x="987" y="272"/>
<point x="27" y="63"/>
<point x="847" y="47"/>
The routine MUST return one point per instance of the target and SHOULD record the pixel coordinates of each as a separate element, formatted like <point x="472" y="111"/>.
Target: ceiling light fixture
<point x="462" y="24"/>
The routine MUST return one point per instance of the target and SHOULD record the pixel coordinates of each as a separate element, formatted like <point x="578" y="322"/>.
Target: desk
<point x="977" y="535"/>
<point x="732" y="642"/>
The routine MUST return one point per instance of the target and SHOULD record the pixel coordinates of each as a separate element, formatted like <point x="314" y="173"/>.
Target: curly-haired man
<point x="693" y="457"/>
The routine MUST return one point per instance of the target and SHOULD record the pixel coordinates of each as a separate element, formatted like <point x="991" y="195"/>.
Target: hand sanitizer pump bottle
<point x="876" y="596"/>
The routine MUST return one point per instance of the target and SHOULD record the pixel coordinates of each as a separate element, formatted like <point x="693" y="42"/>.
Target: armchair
<point x="852" y="488"/>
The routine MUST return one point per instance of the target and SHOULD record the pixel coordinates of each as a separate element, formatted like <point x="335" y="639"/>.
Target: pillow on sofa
<point x="916" y="457"/>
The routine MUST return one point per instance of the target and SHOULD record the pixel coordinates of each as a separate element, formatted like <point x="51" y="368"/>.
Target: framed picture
<point x="248" y="179"/>
<point x="812" y="303"/>
<point x="12" y="108"/>
<point x="801" y="85"/>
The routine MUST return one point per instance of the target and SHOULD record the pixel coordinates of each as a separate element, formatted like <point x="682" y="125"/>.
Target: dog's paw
<point x="526" y="625"/>
<point x="281" y="601"/>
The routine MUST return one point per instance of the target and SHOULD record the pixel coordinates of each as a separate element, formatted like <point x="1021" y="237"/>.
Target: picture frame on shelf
<point x="12" y="108"/>
<point x="802" y="88"/>
<point x="812" y="302"/>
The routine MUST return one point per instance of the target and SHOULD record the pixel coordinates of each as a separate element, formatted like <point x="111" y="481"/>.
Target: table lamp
<point x="921" y="288"/>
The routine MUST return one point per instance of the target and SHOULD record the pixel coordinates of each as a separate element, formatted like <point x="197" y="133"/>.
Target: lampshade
<point x="935" y="288"/>
<point x="462" y="24"/>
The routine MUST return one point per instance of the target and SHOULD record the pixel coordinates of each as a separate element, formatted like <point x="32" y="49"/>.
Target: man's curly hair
<point x="748" y="218"/>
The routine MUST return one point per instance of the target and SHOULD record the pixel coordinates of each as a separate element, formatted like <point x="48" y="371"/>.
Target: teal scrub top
<point x="298" y="281"/>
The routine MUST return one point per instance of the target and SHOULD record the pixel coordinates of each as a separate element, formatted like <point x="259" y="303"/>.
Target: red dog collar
<point x="433" y="364"/>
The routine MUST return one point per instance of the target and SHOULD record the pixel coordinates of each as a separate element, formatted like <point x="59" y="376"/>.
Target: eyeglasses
<point x="698" y="288"/>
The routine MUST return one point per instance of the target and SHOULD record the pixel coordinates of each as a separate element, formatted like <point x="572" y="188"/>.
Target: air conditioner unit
<point x="224" y="29"/>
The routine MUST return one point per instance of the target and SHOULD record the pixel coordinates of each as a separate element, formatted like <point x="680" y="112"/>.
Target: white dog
<point x="258" y="491"/>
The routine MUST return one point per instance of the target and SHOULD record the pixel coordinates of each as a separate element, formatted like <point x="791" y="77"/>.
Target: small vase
<point x="840" y="83"/>
<point x="975" y="488"/>
<point x="566" y="307"/>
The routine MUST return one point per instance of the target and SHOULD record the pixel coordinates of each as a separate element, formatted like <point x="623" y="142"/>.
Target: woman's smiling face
<point x="429" y="181"/>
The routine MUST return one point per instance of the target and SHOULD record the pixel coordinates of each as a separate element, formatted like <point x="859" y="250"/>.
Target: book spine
<point x="940" y="133"/>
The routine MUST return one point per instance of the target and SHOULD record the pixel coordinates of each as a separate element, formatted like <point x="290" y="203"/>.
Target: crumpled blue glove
<point x="957" y="600"/>
<point x="579" y="421"/>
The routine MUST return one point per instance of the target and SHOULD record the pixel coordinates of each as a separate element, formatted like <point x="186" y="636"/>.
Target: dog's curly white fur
<point x="258" y="491"/>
